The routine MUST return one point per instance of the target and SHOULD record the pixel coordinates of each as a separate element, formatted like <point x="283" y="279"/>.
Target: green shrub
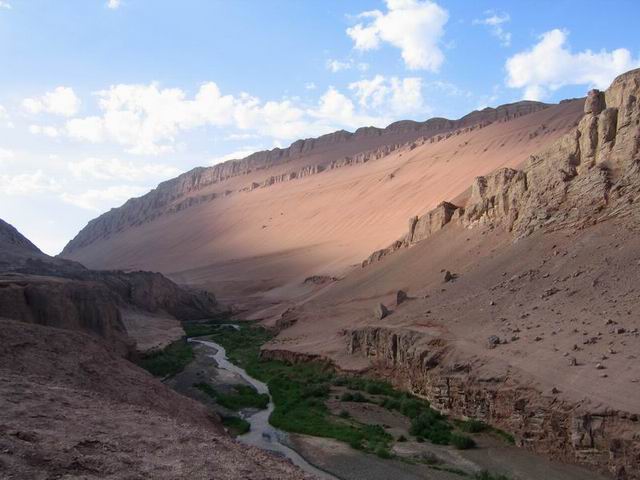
<point x="462" y="442"/>
<point x="236" y="425"/>
<point x="244" y="396"/>
<point x="485" y="475"/>
<point x="169" y="361"/>
<point x="473" y="426"/>
<point x="432" y="426"/>
<point x="344" y="414"/>
<point x="346" y="397"/>
<point x="383" y="452"/>
<point x="402" y="438"/>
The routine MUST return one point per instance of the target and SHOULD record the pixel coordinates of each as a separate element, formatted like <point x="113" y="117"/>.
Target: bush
<point x="344" y="414"/>
<point x="236" y="425"/>
<point x="170" y="361"/>
<point x="462" y="442"/>
<point x="383" y="452"/>
<point x="402" y="438"/>
<point x="245" y="396"/>
<point x="473" y="426"/>
<point x="485" y="475"/>
<point x="347" y="397"/>
<point x="432" y="426"/>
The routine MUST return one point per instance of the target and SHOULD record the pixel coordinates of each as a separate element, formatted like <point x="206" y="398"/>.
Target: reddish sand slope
<point x="268" y="240"/>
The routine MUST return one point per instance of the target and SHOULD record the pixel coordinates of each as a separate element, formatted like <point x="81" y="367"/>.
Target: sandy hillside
<point x="267" y="240"/>
<point x="522" y="306"/>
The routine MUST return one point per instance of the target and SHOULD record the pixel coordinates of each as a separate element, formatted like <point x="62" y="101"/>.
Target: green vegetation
<point x="461" y="442"/>
<point x="300" y="392"/>
<point x="169" y="361"/>
<point x="236" y="425"/>
<point x="244" y="396"/>
<point x="477" y="426"/>
<point x="485" y="475"/>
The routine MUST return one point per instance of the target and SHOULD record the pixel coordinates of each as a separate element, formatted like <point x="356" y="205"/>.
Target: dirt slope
<point x="536" y="329"/>
<point x="243" y="237"/>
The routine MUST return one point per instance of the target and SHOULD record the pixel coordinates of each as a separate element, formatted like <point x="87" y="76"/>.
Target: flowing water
<point x="262" y="434"/>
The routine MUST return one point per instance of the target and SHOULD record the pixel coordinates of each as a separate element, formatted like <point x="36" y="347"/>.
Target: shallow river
<point x="261" y="435"/>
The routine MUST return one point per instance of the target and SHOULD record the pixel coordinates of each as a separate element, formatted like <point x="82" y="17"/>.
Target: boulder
<point x="381" y="311"/>
<point x="401" y="296"/>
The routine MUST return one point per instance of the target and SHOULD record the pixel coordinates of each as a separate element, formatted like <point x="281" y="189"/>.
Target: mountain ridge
<point x="399" y="132"/>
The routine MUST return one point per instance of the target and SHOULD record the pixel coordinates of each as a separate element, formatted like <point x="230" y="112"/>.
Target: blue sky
<point x="102" y="99"/>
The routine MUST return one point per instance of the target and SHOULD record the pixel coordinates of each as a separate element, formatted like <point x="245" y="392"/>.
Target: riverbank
<point x="327" y="411"/>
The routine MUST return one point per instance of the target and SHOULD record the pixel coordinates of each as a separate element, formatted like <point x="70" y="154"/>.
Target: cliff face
<point x="35" y="288"/>
<point x="543" y="423"/>
<point x="587" y="176"/>
<point x="181" y="192"/>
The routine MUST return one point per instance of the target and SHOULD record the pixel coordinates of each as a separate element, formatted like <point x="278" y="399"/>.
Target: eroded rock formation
<point x="539" y="422"/>
<point x="586" y="176"/>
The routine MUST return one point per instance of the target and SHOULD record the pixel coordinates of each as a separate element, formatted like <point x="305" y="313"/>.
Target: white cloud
<point x="310" y="86"/>
<point x="550" y="65"/>
<point x="5" y="120"/>
<point x="27" y="183"/>
<point x="6" y="155"/>
<point x="101" y="199"/>
<point x="5" y="5"/>
<point x="46" y="130"/>
<point x="495" y="22"/>
<point x="113" y="4"/>
<point x="147" y="119"/>
<point x="61" y="101"/>
<point x="336" y="66"/>
<point x="236" y="155"/>
<point x="415" y="27"/>
<point x="398" y="95"/>
<point x="116" y="169"/>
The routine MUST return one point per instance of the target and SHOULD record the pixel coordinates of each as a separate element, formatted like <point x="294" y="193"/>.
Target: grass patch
<point x="236" y="425"/>
<point x="244" y="396"/>
<point x="462" y="442"/>
<point x="478" y="426"/>
<point x="485" y="475"/>
<point x="299" y="392"/>
<point x="168" y="361"/>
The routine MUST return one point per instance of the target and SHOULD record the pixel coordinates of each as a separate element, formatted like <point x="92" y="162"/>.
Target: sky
<point x="100" y="100"/>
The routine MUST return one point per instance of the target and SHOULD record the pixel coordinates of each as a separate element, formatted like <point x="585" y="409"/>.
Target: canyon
<point x="487" y="264"/>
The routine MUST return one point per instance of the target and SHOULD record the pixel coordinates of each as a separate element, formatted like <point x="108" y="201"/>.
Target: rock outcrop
<point x="36" y="288"/>
<point x="538" y="421"/>
<point x="585" y="177"/>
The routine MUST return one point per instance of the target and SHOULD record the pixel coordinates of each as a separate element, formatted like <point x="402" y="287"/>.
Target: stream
<point x="262" y="434"/>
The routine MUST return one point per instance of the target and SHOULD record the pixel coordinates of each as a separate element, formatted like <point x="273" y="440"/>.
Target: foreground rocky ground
<point x="73" y="406"/>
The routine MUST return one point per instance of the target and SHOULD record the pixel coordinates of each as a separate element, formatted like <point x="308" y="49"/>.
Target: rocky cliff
<point x="39" y="289"/>
<point x="182" y="191"/>
<point x="540" y="422"/>
<point x="587" y="176"/>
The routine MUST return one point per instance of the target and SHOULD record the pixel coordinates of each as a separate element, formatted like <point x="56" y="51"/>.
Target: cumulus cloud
<point x="60" y="101"/>
<point x="113" y="4"/>
<point x="398" y="95"/>
<point x="336" y="66"/>
<point x="147" y="119"/>
<point x="100" y="199"/>
<point x="235" y="155"/>
<point x="495" y="22"/>
<point x="116" y="169"/>
<point x="46" y="130"/>
<point x="5" y="5"/>
<point x="27" y="183"/>
<point x="415" y="27"/>
<point x="5" y="119"/>
<point x="6" y="155"/>
<point x="550" y="65"/>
